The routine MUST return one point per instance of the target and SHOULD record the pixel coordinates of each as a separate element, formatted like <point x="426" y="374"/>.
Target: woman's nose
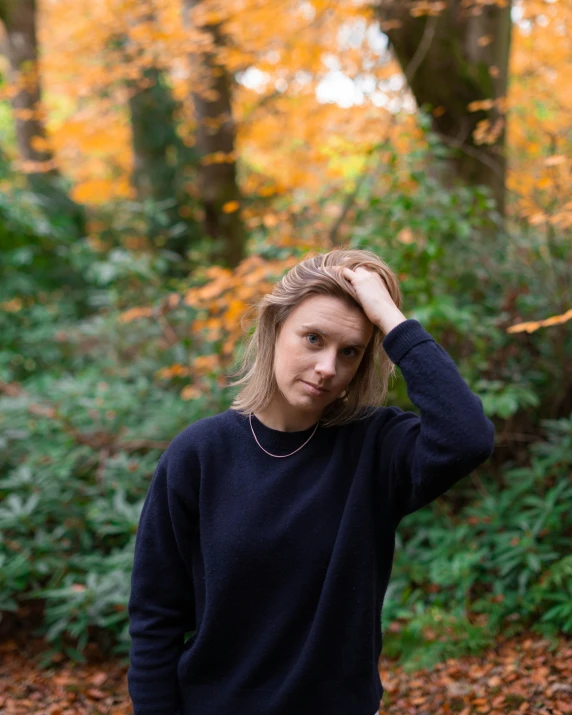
<point x="327" y="366"/>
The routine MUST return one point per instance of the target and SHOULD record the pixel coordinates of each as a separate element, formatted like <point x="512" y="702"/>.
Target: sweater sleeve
<point x="161" y="604"/>
<point x="452" y="437"/>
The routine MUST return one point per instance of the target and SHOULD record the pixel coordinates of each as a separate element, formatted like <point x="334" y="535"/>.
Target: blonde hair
<point x="318" y="275"/>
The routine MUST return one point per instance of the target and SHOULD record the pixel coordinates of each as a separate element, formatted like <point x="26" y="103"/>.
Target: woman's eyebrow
<point x="315" y="329"/>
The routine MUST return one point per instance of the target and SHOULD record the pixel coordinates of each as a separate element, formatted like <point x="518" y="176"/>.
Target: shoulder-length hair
<point x="318" y="275"/>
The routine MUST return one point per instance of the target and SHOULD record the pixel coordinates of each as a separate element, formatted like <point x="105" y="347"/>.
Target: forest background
<point x="163" y="163"/>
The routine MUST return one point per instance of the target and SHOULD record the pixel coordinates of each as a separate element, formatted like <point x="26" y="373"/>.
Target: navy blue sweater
<point x="280" y="566"/>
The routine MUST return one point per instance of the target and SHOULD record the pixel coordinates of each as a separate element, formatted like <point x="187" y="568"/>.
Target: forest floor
<point x="519" y="675"/>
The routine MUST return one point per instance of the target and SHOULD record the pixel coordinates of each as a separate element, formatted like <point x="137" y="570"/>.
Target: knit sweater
<point x="280" y="566"/>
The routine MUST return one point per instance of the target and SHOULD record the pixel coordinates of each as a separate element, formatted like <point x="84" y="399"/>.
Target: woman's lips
<point x="313" y="390"/>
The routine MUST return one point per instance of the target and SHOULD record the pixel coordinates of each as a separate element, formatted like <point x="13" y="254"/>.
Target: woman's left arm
<point x="424" y="456"/>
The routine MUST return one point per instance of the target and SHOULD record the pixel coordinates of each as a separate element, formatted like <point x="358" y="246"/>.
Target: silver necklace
<point x="281" y="456"/>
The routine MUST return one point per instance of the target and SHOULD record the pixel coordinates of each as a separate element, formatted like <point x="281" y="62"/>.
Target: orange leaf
<point x="134" y="313"/>
<point x="531" y="326"/>
<point x="481" y="104"/>
<point x="96" y="694"/>
<point x="390" y="25"/>
<point x="190" y="392"/>
<point x="555" y="160"/>
<point x="230" y="207"/>
<point x="406" y="236"/>
<point x="485" y="40"/>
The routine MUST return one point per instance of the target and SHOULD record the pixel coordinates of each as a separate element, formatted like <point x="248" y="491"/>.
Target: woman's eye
<point x="315" y="339"/>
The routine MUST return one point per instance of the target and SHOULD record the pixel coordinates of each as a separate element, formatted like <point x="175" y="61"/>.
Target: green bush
<point x="84" y="418"/>
<point x="467" y="279"/>
<point x="77" y="455"/>
<point x="499" y="565"/>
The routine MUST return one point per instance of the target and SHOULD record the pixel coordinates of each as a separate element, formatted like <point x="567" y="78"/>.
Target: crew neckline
<point x="275" y="440"/>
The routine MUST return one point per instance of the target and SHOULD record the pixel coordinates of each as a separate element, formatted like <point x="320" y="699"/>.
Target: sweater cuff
<point x="403" y="337"/>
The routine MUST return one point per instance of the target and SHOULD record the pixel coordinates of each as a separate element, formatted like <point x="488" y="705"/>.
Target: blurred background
<point x="164" y="162"/>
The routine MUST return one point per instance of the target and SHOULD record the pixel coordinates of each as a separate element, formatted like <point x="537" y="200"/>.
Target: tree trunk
<point x="159" y="155"/>
<point x="19" y="17"/>
<point x="153" y="137"/>
<point x="158" y="160"/>
<point x="215" y="142"/>
<point x="454" y="56"/>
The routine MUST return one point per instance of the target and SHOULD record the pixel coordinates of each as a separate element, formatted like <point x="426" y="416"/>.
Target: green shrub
<point x="85" y="418"/>
<point x="76" y="457"/>
<point x="499" y="565"/>
<point x="467" y="279"/>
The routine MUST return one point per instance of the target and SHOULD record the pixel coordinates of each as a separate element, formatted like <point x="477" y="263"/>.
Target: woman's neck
<point x="281" y="416"/>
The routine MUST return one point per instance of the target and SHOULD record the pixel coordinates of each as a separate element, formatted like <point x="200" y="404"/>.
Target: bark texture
<point x="159" y="158"/>
<point x="158" y="152"/>
<point x="455" y="54"/>
<point x="19" y="18"/>
<point x="153" y="136"/>
<point x="216" y="135"/>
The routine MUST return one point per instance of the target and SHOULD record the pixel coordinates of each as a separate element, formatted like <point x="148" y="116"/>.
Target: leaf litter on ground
<point x="520" y="675"/>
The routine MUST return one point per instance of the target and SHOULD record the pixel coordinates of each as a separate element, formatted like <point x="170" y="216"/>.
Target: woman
<point x="269" y="529"/>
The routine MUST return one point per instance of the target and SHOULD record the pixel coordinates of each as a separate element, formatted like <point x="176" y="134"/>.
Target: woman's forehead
<point x="333" y="317"/>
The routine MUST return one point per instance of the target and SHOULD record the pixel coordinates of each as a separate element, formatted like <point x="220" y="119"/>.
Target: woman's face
<point x="320" y="344"/>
